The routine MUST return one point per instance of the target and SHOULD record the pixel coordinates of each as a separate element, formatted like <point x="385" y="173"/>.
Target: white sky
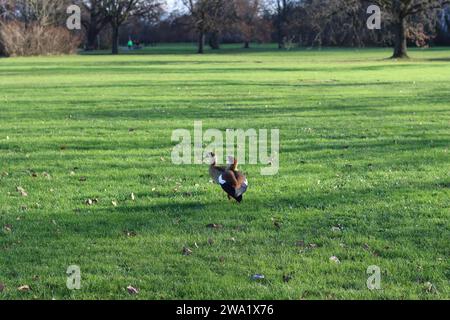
<point x="173" y="4"/>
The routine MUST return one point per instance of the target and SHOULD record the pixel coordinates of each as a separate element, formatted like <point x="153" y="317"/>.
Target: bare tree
<point x="118" y="11"/>
<point x="400" y="11"/>
<point x="282" y="9"/>
<point x="247" y="12"/>
<point x="210" y="16"/>
<point x="43" y="12"/>
<point x="94" y="21"/>
<point x="198" y="12"/>
<point x="220" y="15"/>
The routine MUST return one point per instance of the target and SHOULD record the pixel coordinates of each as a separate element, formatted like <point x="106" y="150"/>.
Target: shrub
<point x="20" y="39"/>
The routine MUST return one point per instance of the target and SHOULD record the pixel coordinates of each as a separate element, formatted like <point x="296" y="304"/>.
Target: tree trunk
<point x="280" y="37"/>
<point x="400" y="45"/>
<point x="91" y="38"/>
<point x="214" y="40"/>
<point x="247" y="45"/>
<point x="115" y="39"/>
<point x="201" y="42"/>
<point x="91" y="33"/>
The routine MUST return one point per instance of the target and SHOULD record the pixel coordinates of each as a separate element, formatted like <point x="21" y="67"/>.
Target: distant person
<point x="137" y="44"/>
<point x="130" y="44"/>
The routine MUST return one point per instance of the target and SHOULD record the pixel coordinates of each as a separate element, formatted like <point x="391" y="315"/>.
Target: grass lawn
<point x="364" y="175"/>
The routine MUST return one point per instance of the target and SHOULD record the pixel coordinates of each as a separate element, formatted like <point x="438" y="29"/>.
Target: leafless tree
<point x="94" y="21"/>
<point x="118" y="11"/>
<point x="247" y="14"/>
<point x="400" y="11"/>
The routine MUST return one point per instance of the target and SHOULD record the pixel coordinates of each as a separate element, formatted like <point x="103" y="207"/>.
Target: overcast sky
<point x="173" y="4"/>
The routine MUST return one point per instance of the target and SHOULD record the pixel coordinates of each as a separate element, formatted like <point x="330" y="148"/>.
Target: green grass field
<point x="364" y="175"/>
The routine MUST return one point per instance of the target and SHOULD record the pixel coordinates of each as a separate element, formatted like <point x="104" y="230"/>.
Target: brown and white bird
<point x="232" y="181"/>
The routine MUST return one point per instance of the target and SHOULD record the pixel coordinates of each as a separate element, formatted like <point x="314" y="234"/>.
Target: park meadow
<point x="86" y="176"/>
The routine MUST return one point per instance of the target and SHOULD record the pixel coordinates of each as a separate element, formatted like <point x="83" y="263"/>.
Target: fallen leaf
<point x="22" y="191"/>
<point x="133" y="197"/>
<point x="91" y="202"/>
<point x="130" y="234"/>
<point x="187" y="251"/>
<point x="114" y="203"/>
<point x="7" y="227"/>
<point x="24" y="288"/>
<point x="335" y="259"/>
<point x="430" y="288"/>
<point x="214" y="226"/>
<point x="132" y="290"/>
<point x="335" y="229"/>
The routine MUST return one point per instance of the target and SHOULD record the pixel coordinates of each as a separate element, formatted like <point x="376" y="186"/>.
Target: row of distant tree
<point x="38" y="26"/>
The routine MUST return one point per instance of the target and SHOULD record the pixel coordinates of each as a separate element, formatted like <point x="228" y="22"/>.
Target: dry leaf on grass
<point x="132" y="290"/>
<point x="91" y="202"/>
<point x="335" y="259"/>
<point x="22" y="191"/>
<point x="24" y="288"/>
<point x="430" y="288"/>
<point x="130" y="234"/>
<point x="187" y="251"/>
<point x="214" y="226"/>
<point x="114" y="203"/>
<point x="132" y="196"/>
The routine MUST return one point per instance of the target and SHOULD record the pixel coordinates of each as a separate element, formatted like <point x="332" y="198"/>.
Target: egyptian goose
<point x="233" y="182"/>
